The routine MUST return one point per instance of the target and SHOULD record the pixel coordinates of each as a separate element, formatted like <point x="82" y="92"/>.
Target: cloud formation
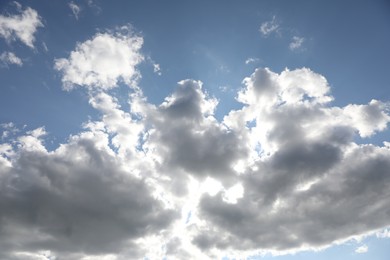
<point x="9" y="58"/>
<point x="102" y="61"/>
<point x="284" y="173"/>
<point x="252" y="60"/>
<point x="309" y="184"/>
<point x="269" y="27"/>
<point x="362" y="249"/>
<point x="80" y="199"/>
<point x="296" y="43"/>
<point x="75" y="9"/>
<point x="21" y="26"/>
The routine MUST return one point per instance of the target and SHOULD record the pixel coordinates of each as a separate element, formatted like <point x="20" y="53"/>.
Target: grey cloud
<point x="76" y="200"/>
<point x="263" y="82"/>
<point x="126" y="179"/>
<point x="189" y="138"/>
<point x="315" y="187"/>
<point x="185" y="103"/>
<point x="350" y="200"/>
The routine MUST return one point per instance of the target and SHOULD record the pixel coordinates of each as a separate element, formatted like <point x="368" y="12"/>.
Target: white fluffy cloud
<point x="281" y="174"/>
<point x="384" y="233"/>
<point x="20" y="26"/>
<point x="8" y="58"/>
<point x="102" y="61"/>
<point x="362" y="249"/>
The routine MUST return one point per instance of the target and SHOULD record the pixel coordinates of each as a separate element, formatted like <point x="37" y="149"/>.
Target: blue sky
<point x="222" y="110"/>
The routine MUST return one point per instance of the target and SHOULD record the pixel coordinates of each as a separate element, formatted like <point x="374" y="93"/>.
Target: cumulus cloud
<point x="362" y="249"/>
<point x="384" y="233"/>
<point x="102" y="61"/>
<point x="284" y="173"/>
<point x="312" y="183"/>
<point x="9" y="58"/>
<point x="78" y="200"/>
<point x="269" y="27"/>
<point x="21" y="26"/>
<point x="296" y="43"/>
<point x="189" y="139"/>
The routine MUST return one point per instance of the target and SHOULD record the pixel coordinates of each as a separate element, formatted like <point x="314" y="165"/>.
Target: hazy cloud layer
<point x="21" y="26"/>
<point x="283" y="173"/>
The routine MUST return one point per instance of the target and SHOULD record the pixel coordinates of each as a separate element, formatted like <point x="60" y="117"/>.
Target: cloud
<point x="8" y="129"/>
<point x="384" y="233"/>
<point x="9" y="58"/>
<point x="296" y="43"/>
<point x="103" y="61"/>
<point x="156" y="66"/>
<point x="308" y="184"/>
<point x="283" y="173"/>
<point x="269" y="27"/>
<point x="190" y="140"/>
<point x="21" y="26"/>
<point x="368" y="118"/>
<point x="79" y="199"/>
<point x="157" y="69"/>
<point x="251" y="60"/>
<point x="75" y="9"/>
<point x="362" y="249"/>
<point x="92" y="4"/>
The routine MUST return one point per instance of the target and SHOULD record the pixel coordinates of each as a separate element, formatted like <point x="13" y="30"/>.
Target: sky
<point x="194" y="129"/>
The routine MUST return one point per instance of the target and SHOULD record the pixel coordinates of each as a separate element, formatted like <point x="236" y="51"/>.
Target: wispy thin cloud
<point x="296" y="43"/>
<point x="75" y="9"/>
<point x="9" y="58"/>
<point x="252" y="60"/>
<point x="269" y="27"/>
<point x="157" y="69"/>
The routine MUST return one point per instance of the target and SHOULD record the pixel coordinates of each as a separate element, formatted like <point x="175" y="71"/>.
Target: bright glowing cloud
<point x="102" y="61"/>
<point x="122" y="182"/>
<point x="171" y="141"/>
